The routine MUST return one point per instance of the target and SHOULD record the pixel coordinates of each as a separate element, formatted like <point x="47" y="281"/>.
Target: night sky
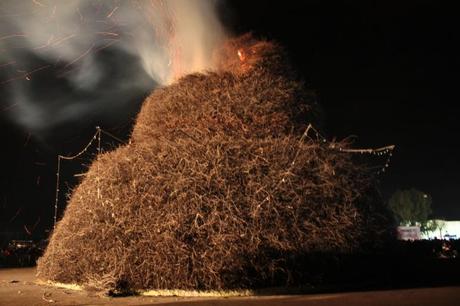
<point x="384" y="71"/>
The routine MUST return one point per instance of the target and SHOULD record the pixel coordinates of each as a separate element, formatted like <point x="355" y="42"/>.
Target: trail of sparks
<point x="81" y="56"/>
<point x="25" y="75"/>
<point x="38" y="3"/>
<point x="168" y="34"/>
<point x="47" y="44"/>
<point x="12" y="36"/>
<point x="112" y="12"/>
<point x="53" y="12"/>
<point x="5" y="109"/>
<point x="28" y="232"/>
<point x="36" y="223"/>
<point x="53" y="42"/>
<point x="112" y="41"/>
<point x="7" y="64"/>
<point x="108" y="34"/>
<point x="79" y="13"/>
<point x="16" y="214"/>
<point x="61" y="40"/>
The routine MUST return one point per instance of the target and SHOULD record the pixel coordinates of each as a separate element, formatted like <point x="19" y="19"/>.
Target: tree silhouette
<point x="411" y="207"/>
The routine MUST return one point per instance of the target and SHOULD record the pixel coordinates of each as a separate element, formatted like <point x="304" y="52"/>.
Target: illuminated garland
<point x="382" y="151"/>
<point x="97" y="136"/>
<point x="387" y="150"/>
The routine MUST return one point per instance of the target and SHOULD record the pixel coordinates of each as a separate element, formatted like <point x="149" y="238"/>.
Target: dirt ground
<point x="18" y="287"/>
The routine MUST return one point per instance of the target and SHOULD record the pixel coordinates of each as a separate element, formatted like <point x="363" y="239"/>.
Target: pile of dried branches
<point x="219" y="188"/>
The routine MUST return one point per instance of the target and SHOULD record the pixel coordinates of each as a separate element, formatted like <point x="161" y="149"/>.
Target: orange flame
<point x="241" y="55"/>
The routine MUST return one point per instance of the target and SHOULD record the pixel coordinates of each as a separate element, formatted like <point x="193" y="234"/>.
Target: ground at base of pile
<point x="191" y="293"/>
<point x="160" y="292"/>
<point x="18" y="288"/>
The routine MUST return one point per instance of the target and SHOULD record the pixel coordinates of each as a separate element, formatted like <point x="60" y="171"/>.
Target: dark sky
<point x="384" y="71"/>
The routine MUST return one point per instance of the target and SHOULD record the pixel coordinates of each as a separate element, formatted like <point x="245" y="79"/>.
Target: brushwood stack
<point x="219" y="188"/>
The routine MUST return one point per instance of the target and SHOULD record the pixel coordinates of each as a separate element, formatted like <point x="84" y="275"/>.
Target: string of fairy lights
<point x="386" y="151"/>
<point x="96" y="137"/>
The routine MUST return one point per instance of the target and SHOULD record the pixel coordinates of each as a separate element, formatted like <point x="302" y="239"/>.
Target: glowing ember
<point x="241" y="55"/>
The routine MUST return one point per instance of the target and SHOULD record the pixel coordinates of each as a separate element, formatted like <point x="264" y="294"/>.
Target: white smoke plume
<point x="61" y="60"/>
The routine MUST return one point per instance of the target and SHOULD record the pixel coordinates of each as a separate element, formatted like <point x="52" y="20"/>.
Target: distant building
<point x="446" y="230"/>
<point x="408" y="233"/>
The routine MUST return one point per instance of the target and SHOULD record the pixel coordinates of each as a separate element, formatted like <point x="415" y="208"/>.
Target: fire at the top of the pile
<point x="239" y="54"/>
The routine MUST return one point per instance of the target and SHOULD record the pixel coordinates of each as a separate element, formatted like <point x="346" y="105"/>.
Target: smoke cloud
<point x="61" y="61"/>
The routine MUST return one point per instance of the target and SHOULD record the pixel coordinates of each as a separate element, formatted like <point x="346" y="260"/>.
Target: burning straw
<point x="219" y="188"/>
